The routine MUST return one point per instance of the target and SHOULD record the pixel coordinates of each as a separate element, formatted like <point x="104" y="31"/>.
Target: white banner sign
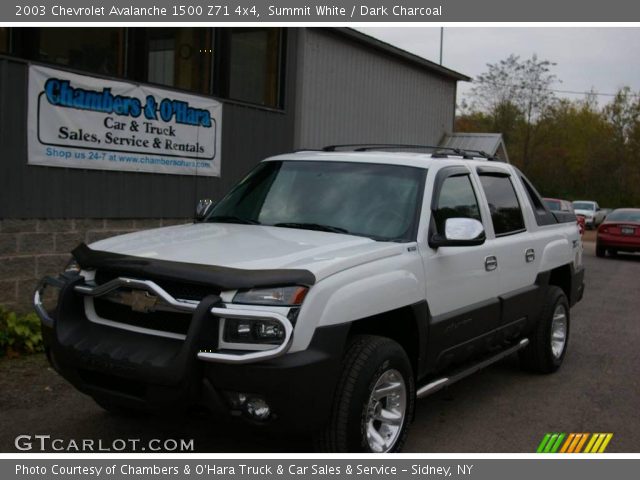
<point x="77" y="121"/>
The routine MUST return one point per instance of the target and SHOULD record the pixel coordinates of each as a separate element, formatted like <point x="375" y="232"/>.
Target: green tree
<point x="573" y="149"/>
<point x="623" y="114"/>
<point x="515" y="91"/>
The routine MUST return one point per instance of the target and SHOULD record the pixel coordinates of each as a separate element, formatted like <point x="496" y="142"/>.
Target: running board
<point x="440" y="383"/>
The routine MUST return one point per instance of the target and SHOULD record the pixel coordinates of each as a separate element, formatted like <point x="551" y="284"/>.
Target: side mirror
<point x="459" y="232"/>
<point x="203" y="209"/>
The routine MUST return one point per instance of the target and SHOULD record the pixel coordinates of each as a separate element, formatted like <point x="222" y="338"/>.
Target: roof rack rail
<point x="298" y="150"/>
<point x="438" y="152"/>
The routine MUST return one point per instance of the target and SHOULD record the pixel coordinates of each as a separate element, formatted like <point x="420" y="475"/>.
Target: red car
<point x="558" y="205"/>
<point x="620" y="232"/>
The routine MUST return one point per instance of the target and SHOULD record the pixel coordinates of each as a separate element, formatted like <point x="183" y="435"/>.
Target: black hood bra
<point x="221" y="278"/>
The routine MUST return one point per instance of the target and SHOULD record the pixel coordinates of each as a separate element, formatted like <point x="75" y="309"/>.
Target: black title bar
<point x="289" y="11"/>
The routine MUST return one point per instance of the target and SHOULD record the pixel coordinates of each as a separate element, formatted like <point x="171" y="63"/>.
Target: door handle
<point x="490" y="263"/>
<point x="530" y="255"/>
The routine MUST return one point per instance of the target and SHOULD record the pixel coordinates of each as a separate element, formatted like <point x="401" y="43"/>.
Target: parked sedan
<point x="620" y="232"/>
<point x="558" y="205"/>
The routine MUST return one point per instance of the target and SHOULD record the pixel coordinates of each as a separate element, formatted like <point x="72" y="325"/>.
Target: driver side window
<point x="457" y="199"/>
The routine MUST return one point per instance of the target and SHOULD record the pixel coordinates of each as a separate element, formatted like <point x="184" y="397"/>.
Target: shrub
<point x="19" y="333"/>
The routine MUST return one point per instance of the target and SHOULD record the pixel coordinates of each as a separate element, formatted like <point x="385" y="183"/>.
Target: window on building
<point x="252" y="58"/>
<point x="4" y="40"/>
<point x="457" y="199"/>
<point x="96" y="50"/>
<point x="506" y="213"/>
<point x="180" y="57"/>
<point x="242" y="64"/>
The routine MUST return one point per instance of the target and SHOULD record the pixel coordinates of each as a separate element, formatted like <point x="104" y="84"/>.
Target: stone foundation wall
<point x="32" y="248"/>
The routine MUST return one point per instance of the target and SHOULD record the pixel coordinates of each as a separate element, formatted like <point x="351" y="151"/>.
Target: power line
<point x="571" y="92"/>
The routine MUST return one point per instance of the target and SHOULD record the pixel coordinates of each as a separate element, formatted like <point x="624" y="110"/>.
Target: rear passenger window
<point x="457" y="199"/>
<point x="543" y="215"/>
<point x="503" y="204"/>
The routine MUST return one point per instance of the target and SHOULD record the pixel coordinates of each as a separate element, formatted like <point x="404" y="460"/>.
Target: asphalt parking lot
<point x="500" y="409"/>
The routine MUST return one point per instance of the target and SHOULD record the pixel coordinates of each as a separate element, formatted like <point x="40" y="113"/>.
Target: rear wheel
<point x="600" y="251"/>
<point x="374" y="401"/>
<point x="548" y="343"/>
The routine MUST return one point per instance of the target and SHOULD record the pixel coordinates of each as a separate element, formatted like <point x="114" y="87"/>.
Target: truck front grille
<point x="181" y="290"/>
<point x="174" y="322"/>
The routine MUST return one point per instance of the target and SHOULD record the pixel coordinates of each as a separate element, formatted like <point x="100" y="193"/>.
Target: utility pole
<point x="441" y="39"/>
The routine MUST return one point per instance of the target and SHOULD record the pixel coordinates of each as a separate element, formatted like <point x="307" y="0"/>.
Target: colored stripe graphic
<point x="543" y="443"/>
<point x="556" y="446"/>
<point x="599" y="443"/>
<point x="581" y="443"/>
<point x="550" y="443"/>
<point x="591" y="442"/>
<point x="574" y="443"/>
<point x="567" y="442"/>
<point x="604" y="445"/>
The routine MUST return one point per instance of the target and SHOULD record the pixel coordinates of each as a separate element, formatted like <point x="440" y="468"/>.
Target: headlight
<point x="253" y="331"/>
<point x="72" y="267"/>
<point x="276" y="296"/>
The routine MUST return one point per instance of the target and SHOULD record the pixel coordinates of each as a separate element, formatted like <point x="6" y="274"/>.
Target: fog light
<point x="257" y="408"/>
<point x="270" y="330"/>
<point x="267" y="332"/>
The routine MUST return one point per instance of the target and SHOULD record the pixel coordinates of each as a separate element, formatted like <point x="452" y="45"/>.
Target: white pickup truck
<point x="591" y="211"/>
<point x="325" y="293"/>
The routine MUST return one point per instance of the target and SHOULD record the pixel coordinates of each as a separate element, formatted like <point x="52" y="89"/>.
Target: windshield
<point x="624" y="216"/>
<point x="371" y="200"/>
<point x="584" y="206"/>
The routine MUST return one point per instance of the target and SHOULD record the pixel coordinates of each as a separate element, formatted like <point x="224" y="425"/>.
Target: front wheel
<point x="548" y="342"/>
<point x="374" y="400"/>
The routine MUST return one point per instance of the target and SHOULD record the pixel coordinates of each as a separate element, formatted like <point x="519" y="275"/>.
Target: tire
<point x="545" y="353"/>
<point x="600" y="251"/>
<point x="613" y="252"/>
<point x="371" y="363"/>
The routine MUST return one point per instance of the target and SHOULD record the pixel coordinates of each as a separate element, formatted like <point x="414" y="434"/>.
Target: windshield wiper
<point x="232" y="219"/>
<point x="312" y="226"/>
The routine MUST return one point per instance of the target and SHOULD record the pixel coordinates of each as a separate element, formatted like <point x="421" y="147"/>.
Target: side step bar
<point x="440" y="383"/>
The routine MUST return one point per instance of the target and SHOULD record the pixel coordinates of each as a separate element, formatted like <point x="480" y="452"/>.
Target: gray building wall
<point x="249" y="133"/>
<point x="349" y="92"/>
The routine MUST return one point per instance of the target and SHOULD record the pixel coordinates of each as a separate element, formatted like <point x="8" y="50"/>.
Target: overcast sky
<point x="604" y="59"/>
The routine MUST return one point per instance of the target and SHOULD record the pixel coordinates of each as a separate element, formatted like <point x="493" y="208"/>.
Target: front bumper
<point x="141" y="371"/>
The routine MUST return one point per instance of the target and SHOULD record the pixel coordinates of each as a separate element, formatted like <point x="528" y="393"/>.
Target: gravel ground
<point x="500" y="409"/>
